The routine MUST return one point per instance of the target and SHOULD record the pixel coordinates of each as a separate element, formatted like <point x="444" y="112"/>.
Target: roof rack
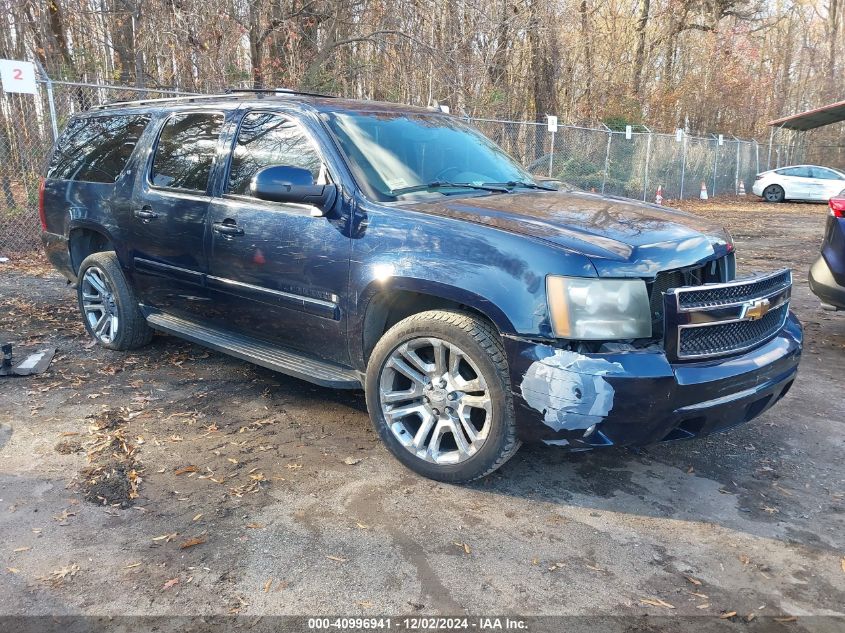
<point x="230" y="93"/>
<point x="186" y="98"/>
<point x="278" y="90"/>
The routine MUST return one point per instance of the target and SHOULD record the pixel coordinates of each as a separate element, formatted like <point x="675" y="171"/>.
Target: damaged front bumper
<point x="584" y="401"/>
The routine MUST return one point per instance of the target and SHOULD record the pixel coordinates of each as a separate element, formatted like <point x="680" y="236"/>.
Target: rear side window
<point x="96" y="149"/>
<point x="265" y="140"/>
<point x="185" y="151"/>
<point x="796" y="172"/>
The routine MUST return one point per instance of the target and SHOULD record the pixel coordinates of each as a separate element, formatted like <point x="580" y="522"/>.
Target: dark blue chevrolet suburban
<point x="358" y="244"/>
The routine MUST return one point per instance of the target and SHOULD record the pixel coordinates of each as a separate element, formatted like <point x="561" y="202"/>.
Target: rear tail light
<point x="41" y="213"/>
<point x="837" y="207"/>
<point x="758" y="177"/>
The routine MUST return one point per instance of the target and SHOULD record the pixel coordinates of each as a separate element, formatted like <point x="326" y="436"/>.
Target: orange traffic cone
<point x="741" y="187"/>
<point x="703" y="194"/>
<point x="658" y="197"/>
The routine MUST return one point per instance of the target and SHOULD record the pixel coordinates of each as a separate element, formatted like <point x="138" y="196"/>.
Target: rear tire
<point x="109" y="308"/>
<point x="774" y="193"/>
<point x="439" y="395"/>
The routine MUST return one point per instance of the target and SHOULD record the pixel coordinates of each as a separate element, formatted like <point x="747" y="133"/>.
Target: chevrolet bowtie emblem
<point x="756" y="310"/>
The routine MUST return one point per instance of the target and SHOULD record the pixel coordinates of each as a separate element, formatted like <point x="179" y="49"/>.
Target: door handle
<point x="227" y="228"/>
<point x="146" y="214"/>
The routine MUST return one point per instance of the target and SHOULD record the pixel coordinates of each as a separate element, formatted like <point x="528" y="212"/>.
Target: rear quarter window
<point x="185" y="151"/>
<point x="96" y="149"/>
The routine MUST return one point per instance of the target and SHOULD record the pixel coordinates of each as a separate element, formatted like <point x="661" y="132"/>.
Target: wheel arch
<point x="85" y="239"/>
<point x="385" y="304"/>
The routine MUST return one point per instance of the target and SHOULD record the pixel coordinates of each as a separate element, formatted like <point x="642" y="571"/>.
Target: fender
<point x="427" y="287"/>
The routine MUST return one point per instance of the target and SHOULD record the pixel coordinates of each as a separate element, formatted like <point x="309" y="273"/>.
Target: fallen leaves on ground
<point x="338" y="559"/>
<point x="351" y="461"/>
<point x="192" y="542"/>
<point x="185" y="469"/>
<point x="694" y="581"/>
<point x="170" y="583"/>
<point x="111" y="477"/>
<point x="465" y="546"/>
<point x="58" y="577"/>
<point x="64" y="516"/>
<point x="656" y="602"/>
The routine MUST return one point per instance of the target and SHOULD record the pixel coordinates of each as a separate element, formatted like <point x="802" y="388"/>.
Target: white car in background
<point x="799" y="182"/>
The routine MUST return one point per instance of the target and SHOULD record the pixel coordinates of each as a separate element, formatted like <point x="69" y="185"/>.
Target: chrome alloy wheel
<point x="435" y="400"/>
<point x="98" y="304"/>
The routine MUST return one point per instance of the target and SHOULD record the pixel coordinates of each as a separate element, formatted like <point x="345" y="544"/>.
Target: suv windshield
<point x="403" y="154"/>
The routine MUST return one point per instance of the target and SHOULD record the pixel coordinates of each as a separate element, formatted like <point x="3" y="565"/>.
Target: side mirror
<point x="282" y="183"/>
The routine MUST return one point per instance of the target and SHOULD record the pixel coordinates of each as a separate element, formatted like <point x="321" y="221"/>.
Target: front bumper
<point x="824" y="286"/>
<point x="584" y="401"/>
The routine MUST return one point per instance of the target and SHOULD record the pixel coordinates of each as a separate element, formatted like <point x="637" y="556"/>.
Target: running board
<point x="258" y="352"/>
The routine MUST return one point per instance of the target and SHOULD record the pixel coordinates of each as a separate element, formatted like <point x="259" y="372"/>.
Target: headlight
<point x="598" y="309"/>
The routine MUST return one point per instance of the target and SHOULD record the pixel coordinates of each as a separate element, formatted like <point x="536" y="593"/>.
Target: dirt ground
<point x="175" y="480"/>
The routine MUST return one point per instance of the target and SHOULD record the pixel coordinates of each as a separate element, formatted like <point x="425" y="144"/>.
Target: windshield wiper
<point x="443" y="184"/>
<point x="513" y="184"/>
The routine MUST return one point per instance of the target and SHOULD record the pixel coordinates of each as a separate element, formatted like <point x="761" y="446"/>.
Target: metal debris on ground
<point x="35" y="363"/>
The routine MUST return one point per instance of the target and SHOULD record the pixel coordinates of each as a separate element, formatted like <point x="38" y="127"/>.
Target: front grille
<point x="725" y="318"/>
<point x="662" y="282"/>
<point x="725" y="338"/>
<point x="724" y="295"/>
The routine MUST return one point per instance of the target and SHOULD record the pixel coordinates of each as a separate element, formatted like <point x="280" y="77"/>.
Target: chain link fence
<point x="631" y="163"/>
<point x="29" y="125"/>
<point x="634" y="163"/>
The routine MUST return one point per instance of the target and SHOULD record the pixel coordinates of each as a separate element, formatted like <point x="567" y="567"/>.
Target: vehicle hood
<point x="621" y="237"/>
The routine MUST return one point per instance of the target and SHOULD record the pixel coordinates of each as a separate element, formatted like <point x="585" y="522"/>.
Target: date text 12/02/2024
<point x="418" y="624"/>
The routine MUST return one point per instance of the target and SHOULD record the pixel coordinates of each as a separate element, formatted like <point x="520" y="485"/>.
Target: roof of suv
<point x="323" y="103"/>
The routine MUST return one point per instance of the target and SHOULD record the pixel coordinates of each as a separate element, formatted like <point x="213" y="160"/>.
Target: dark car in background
<point x="827" y="275"/>
<point x="368" y="245"/>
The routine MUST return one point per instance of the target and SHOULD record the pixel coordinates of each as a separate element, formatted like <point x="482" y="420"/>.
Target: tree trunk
<point x="834" y="18"/>
<point x="588" y="58"/>
<point x="123" y="38"/>
<point x="543" y="79"/>
<point x="57" y="35"/>
<point x="639" y="60"/>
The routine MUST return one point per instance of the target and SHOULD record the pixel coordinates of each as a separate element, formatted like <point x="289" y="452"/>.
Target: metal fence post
<point x="606" y="158"/>
<point x="683" y="164"/>
<point x="51" y="100"/>
<point x="715" y="160"/>
<point x="647" y="164"/>
<point x="771" y="141"/>
<point x="736" y="171"/>
<point x="552" y="153"/>
<point x="54" y="124"/>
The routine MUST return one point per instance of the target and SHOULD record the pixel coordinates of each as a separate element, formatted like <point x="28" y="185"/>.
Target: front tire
<point x="439" y="395"/>
<point x="109" y="308"/>
<point x="774" y="193"/>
